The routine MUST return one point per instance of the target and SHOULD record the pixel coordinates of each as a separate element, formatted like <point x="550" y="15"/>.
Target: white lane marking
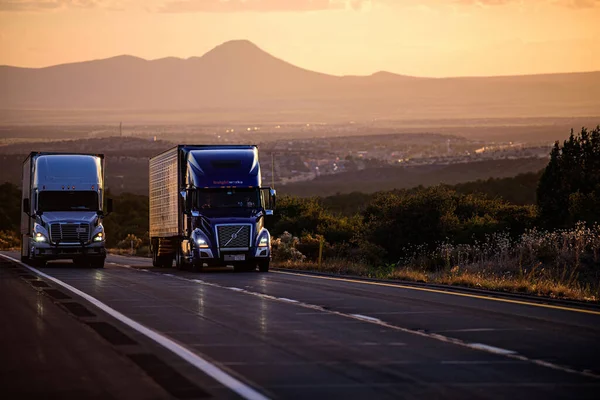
<point x="446" y="339"/>
<point x="205" y="366"/>
<point x="287" y="300"/>
<point x="365" y="318"/>
<point x="491" y="349"/>
<point x="462" y="362"/>
<point x="486" y="330"/>
<point x="235" y="289"/>
<point x="409" y="312"/>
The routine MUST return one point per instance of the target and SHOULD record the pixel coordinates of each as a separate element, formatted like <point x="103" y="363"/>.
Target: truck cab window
<point x="228" y="198"/>
<point x="68" y="201"/>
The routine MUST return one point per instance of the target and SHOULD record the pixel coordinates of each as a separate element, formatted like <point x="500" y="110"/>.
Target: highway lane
<point x="301" y="336"/>
<point x="46" y="353"/>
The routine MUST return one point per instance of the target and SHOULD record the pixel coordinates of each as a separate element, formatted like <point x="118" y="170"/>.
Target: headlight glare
<point x="39" y="237"/>
<point x="99" y="237"/>
<point x="264" y="241"/>
<point x="202" y="243"/>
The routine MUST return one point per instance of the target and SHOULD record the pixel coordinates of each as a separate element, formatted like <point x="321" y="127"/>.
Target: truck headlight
<point x="39" y="237"/>
<point x="202" y="243"/>
<point x="99" y="237"/>
<point x="264" y="241"/>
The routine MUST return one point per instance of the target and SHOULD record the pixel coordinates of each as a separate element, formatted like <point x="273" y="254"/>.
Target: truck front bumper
<point x="47" y="251"/>
<point x="254" y="254"/>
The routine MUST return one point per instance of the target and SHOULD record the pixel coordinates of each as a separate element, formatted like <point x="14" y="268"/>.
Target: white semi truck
<point x="63" y="208"/>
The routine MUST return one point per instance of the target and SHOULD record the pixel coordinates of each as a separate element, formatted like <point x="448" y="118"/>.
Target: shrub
<point x="130" y="241"/>
<point x="9" y="240"/>
<point x="284" y="248"/>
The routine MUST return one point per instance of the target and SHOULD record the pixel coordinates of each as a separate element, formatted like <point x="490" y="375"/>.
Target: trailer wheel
<point x="166" y="261"/>
<point x="155" y="259"/>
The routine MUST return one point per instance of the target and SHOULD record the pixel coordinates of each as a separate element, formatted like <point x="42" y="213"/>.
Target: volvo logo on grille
<point x="234" y="236"/>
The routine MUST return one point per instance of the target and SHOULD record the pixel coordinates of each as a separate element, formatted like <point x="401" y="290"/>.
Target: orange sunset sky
<point x="342" y="37"/>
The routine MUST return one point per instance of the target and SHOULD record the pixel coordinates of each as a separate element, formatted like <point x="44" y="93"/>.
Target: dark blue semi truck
<point x="208" y="208"/>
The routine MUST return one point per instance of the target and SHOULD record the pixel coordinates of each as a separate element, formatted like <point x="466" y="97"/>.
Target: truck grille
<point x="233" y="236"/>
<point x="69" y="233"/>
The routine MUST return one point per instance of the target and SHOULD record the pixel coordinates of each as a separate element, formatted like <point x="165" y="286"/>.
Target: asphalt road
<point x="297" y="336"/>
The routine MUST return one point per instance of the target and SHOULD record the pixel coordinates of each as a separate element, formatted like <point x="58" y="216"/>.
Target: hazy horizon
<point x="430" y="38"/>
<point x="258" y="45"/>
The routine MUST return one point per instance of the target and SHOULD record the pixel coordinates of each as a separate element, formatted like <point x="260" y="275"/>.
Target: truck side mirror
<point x="26" y="206"/>
<point x="187" y="202"/>
<point x="273" y="194"/>
<point x="268" y="198"/>
<point x="109" y="206"/>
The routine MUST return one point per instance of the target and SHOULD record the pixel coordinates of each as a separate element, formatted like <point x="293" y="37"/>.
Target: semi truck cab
<point x="62" y="209"/>
<point x="208" y="207"/>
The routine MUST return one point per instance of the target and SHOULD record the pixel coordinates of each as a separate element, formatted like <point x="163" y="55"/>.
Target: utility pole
<point x="121" y="129"/>
<point x="273" y="170"/>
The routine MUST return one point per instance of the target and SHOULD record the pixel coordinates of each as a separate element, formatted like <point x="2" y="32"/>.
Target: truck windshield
<point x="227" y="198"/>
<point x="68" y="201"/>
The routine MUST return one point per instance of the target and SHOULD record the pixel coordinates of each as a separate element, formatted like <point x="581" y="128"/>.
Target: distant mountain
<point x="238" y="76"/>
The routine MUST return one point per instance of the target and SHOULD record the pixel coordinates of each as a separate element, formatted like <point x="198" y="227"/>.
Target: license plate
<point x="234" y="257"/>
<point x="80" y="230"/>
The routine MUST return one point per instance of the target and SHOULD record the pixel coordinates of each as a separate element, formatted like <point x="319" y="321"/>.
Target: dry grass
<point x="487" y="279"/>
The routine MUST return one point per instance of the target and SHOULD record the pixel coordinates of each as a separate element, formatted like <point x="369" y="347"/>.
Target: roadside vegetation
<point x="465" y="235"/>
<point x="535" y="233"/>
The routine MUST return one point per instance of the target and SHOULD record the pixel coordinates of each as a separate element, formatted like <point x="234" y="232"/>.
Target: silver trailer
<point x="62" y="209"/>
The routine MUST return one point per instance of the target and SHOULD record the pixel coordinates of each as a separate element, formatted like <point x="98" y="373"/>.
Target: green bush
<point x="400" y="221"/>
<point x="130" y="241"/>
<point x="9" y="240"/>
<point x="284" y="248"/>
<point x="10" y="211"/>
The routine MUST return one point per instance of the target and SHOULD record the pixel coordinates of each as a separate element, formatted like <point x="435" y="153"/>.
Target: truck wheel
<point x="166" y="261"/>
<point x="179" y="260"/>
<point x="160" y="261"/>
<point x="197" y="266"/>
<point x="244" y="267"/>
<point x="24" y="259"/>
<point x="97" y="263"/>
<point x="37" y="263"/>
<point x="263" y="266"/>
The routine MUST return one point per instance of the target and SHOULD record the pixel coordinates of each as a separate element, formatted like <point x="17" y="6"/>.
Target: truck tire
<point x="36" y="263"/>
<point x="179" y="260"/>
<point x="263" y="266"/>
<point x="24" y="259"/>
<point x="244" y="267"/>
<point x="197" y="266"/>
<point x="156" y="262"/>
<point x="97" y="263"/>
